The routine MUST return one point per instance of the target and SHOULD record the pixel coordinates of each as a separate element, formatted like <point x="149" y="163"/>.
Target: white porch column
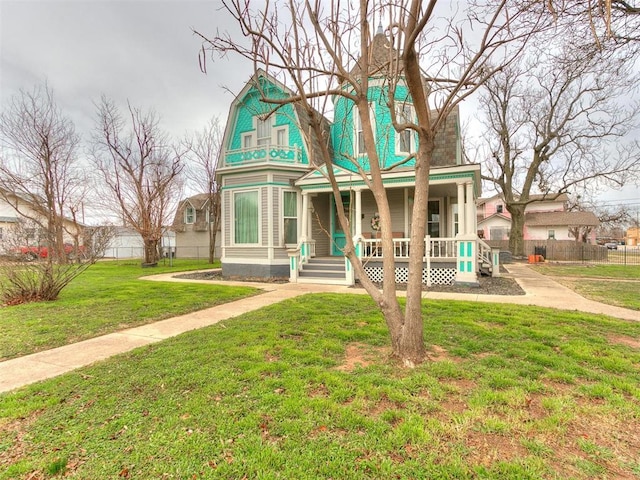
<point x="462" y="225"/>
<point x="358" y="217"/>
<point x="304" y="230"/>
<point x="357" y="234"/>
<point x="469" y="214"/>
<point x="467" y="259"/>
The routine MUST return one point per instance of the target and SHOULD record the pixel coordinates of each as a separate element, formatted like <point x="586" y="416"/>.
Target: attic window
<point x="360" y="147"/>
<point x="499" y="208"/>
<point x="405" y="139"/>
<point x="282" y="137"/>
<point x="189" y="215"/>
<point x="263" y="131"/>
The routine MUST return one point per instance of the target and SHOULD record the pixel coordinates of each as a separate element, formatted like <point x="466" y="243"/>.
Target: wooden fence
<point x="570" y="251"/>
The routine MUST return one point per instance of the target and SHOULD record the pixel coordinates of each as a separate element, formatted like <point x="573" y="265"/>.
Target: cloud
<point x="141" y="51"/>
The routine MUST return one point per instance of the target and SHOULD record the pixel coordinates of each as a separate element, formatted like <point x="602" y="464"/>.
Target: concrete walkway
<point x="540" y="290"/>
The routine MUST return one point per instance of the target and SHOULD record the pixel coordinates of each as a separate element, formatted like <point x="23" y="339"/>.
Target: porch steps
<point x="328" y="270"/>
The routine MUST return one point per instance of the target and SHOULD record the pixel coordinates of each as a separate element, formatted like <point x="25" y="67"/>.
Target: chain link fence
<point x="196" y="252"/>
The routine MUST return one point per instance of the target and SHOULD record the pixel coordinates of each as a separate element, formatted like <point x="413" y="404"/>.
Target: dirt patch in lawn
<point x="360" y="355"/>
<point x="624" y="340"/>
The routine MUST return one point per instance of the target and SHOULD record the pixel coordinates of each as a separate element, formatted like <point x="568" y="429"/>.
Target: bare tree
<point x="203" y="152"/>
<point x="39" y="168"/>
<point x="40" y="178"/>
<point x="555" y="120"/>
<point x="607" y="22"/>
<point x="140" y="169"/>
<point x="324" y="52"/>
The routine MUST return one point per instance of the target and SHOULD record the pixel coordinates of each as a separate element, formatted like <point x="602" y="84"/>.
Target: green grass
<point x="628" y="272"/>
<point x="517" y="392"/>
<point x="618" y="285"/>
<point x="107" y="297"/>
<point x="620" y="294"/>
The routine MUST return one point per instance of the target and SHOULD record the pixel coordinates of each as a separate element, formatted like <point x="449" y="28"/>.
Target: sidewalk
<point x="540" y="290"/>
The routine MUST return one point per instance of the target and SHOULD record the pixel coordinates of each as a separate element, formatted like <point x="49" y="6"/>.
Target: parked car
<point x="611" y="245"/>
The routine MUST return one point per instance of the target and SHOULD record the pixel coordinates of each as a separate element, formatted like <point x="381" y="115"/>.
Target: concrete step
<point x="315" y="267"/>
<point x="326" y="261"/>
<point x="323" y="270"/>
<point x="321" y="274"/>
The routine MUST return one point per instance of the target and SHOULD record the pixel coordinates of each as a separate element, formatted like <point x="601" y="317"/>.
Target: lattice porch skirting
<point x="439" y="276"/>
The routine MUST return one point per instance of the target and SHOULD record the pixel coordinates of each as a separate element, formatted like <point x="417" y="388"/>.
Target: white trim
<point x="254" y="261"/>
<point x="343" y="175"/>
<point x="270" y="218"/>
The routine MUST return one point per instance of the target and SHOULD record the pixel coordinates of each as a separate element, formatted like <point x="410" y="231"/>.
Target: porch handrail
<point x="484" y="252"/>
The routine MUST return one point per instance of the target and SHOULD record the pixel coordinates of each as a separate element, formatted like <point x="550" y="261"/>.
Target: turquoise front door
<point x="338" y="236"/>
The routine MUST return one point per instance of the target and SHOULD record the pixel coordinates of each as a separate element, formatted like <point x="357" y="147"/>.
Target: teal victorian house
<point x="278" y="209"/>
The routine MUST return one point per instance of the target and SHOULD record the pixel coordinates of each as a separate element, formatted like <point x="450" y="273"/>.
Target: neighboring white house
<point x="127" y="243"/>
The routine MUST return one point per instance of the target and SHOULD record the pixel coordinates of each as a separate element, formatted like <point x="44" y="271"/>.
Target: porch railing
<point x="437" y="248"/>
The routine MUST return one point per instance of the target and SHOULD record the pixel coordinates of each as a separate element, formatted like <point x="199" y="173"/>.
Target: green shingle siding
<point x="250" y="106"/>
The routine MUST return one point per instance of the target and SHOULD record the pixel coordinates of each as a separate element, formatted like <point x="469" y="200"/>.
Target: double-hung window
<point x="405" y="139"/>
<point x="263" y="131"/>
<point x="360" y="147"/>
<point x="433" y="218"/>
<point x="245" y="217"/>
<point x="290" y="217"/>
<point x="189" y="215"/>
<point x="247" y="141"/>
<point x="282" y="139"/>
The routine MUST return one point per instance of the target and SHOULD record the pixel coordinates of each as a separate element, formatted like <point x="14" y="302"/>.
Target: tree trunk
<point x="516" y="236"/>
<point x="214" y="213"/>
<point x="212" y="243"/>
<point x="150" y="251"/>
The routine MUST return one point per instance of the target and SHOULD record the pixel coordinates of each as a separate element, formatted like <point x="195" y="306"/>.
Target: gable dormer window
<point x="189" y="215"/>
<point x="360" y="147"/>
<point x="263" y="131"/>
<point x="247" y="141"/>
<point x="282" y="136"/>
<point x="405" y="139"/>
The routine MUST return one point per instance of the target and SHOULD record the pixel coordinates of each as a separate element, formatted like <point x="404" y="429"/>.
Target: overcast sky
<point x="143" y="51"/>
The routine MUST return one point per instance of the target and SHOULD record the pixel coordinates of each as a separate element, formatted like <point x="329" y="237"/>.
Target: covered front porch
<point x="453" y="252"/>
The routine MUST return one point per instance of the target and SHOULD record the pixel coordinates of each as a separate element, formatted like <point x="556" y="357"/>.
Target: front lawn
<point x="611" y="284"/>
<point x="303" y="389"/>
<point x="628" y="272"/>
<point x="107" y="297"/>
